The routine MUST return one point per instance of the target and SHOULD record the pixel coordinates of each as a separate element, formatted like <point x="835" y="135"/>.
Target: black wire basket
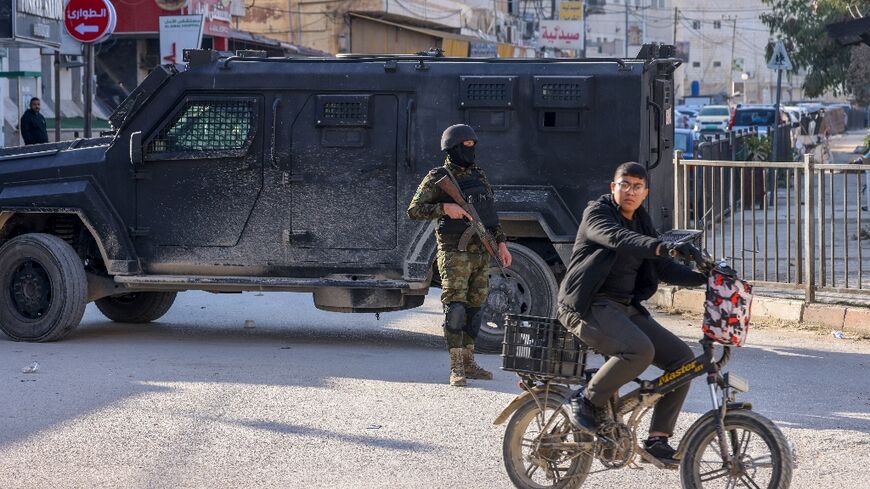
<point x="542" y="348"/>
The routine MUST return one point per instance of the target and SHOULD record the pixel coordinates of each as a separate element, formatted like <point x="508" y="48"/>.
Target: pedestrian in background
<point x="464" y="273"/>
<point x="32" y="127"/>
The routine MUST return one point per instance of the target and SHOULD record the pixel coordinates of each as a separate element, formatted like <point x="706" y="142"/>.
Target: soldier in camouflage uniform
<point x="464" y="274"/>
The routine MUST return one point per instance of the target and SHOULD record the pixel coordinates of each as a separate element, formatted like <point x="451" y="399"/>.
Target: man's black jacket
<point x="33" y="128"/>
<point x="600" y="237"/>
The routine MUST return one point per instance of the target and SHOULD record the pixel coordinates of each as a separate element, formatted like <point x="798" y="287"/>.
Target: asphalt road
<point x="310" y="399"/>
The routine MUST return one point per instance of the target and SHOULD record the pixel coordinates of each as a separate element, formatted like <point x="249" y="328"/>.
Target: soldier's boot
<point x="454" y="322"/>
<point x="457" y="372"/>
<point x="472" y="369"/>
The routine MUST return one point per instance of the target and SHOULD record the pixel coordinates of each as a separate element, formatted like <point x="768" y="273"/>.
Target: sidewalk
<point x="770" y="306"/>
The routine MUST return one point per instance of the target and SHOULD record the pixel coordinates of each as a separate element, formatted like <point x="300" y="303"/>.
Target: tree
<point x="858" y="76"/>
<point x="801" y="25"/>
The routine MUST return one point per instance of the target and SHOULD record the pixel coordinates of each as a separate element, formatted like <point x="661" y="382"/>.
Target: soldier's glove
<point x="685" y="250"/>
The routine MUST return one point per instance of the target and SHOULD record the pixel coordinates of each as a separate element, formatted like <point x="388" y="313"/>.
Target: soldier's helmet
<point x="455" y="134"/>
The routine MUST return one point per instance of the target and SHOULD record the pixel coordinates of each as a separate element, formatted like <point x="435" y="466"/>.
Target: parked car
<point x="685" y="140"/>
<point x="712" y="119"/>
<point x="793" y="113"/>
<point x="684" y="117"/>
<point x="761" y="117"/>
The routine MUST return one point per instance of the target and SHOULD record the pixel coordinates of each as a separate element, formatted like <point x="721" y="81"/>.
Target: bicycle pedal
<point x="646" y="458"/>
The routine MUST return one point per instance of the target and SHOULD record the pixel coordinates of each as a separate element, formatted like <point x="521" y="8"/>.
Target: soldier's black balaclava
<point x="461" y="155"/>
<point x="451" y="142"/>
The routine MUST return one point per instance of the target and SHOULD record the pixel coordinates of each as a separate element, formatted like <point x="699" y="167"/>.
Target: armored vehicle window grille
<point x="486" y="91"/>
<point x="334" y="111"/>
<point x="224" y="125"/>
<point x="561" y="92"/>
<point x="478" y="92"/>
<point x="343" y="110"/>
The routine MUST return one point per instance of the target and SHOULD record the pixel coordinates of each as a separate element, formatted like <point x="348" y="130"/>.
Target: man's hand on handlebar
<point x="685" y="250"/>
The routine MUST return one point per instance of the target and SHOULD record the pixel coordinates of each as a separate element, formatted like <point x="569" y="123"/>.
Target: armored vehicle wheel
<point x="530" y="288"/>
<point x="136" y="307"/>
<point x="43" y="288"/>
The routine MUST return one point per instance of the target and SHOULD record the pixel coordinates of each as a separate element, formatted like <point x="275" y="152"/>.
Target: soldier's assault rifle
<point x="475" y="226"/>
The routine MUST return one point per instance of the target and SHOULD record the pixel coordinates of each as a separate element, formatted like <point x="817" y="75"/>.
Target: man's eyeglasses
<point x="626" y="186"/>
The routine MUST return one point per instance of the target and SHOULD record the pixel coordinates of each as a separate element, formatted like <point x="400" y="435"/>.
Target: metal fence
<point x="726" y="146"/>
<point x="797" y="225"/>
<point x="732" y="145"/>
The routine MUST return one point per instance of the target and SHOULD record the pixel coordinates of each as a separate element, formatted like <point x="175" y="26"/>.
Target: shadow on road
<point x="105" y="363"/>
<point x="370" y="441"/>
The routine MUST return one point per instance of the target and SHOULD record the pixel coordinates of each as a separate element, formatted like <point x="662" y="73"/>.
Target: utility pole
<point x="626" y="28"/>
<point x="57" y="96"/>
<point x="729" y="86"/>
<point x="89" y="89"/>
<point x="676" y="19"/>
<point x="585" y="13"/>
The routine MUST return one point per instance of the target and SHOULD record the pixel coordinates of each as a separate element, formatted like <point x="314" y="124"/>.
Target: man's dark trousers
<point x="633" y="341"/>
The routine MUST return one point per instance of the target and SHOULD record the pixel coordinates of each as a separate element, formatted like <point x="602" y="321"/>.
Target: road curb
<point x="851" y="319"/>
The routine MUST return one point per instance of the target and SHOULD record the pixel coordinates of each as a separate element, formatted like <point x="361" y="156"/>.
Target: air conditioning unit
<point x="71" y="61"/>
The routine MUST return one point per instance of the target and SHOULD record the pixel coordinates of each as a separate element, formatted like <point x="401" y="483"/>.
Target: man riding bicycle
<point x="616" y="263"/>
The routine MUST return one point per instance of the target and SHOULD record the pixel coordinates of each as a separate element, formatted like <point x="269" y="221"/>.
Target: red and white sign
<point x="90" y="21"/>
<point x="562" y="34"/>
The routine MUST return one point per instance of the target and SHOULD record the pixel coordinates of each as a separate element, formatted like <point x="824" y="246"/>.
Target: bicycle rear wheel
<point x="764" y="457"/>
<point x="541" y="448"/>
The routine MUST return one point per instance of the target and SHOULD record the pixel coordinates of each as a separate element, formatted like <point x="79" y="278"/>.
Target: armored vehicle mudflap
<point x="346" y="293"/>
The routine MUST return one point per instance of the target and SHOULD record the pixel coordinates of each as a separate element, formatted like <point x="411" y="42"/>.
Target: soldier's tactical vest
<point x="478" y="195"/>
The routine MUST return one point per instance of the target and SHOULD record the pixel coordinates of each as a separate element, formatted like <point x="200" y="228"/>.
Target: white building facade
<point x="726" y="47"/>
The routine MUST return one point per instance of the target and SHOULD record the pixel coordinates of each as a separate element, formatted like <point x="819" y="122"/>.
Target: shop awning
<point x="260" y="41"/>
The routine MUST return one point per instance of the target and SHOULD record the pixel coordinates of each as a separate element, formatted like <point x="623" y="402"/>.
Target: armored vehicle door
<point x="344" y="173"/>
<point x="201" y="173"/>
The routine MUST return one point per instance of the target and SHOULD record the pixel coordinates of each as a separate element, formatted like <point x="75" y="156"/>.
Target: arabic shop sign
<point x="49" y="9"/>
<point x="30" y="23"/>
<point x="561" y="34"/>
<point x="483" y="50"/>
<point x="570" y="10"/>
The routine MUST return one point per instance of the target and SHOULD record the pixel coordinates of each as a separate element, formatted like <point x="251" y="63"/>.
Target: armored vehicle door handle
<point x="658" y="111"/>
<point x="409" y="139"/>
<point x="275" y="105"/>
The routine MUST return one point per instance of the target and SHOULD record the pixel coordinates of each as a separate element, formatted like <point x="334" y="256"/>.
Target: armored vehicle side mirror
<point x="136" y="148"/>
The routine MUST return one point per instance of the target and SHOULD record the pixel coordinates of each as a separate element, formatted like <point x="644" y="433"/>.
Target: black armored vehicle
<point x="241" y="173"/>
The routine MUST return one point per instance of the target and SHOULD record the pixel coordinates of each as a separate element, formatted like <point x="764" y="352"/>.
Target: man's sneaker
<point x="658" y="447"/>
<point x="582" y="413"/>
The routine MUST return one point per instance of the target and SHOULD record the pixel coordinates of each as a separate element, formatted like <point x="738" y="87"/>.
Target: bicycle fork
<point x="721" y="406"/>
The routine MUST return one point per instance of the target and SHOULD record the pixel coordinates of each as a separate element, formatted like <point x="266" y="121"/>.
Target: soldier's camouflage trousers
<point x="464" y="287"/>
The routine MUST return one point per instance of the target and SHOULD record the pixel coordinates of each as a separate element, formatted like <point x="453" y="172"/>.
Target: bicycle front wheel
<point x="542" y="450"/>
<point x="763" y="456"/>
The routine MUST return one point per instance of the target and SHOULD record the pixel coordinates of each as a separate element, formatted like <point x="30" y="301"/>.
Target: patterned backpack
<point x="727" y="307"/>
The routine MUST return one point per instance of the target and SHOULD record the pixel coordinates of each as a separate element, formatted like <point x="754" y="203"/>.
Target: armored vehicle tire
<point x="136" y="307"/>
<point x="43" y="288"/>
<point x="530" y="288"/>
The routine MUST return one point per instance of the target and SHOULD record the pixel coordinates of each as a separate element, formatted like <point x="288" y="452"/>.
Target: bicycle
<point x="542" y="449"/>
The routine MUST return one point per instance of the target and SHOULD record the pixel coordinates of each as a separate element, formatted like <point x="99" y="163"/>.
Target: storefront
<point x="370" y="35"/>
